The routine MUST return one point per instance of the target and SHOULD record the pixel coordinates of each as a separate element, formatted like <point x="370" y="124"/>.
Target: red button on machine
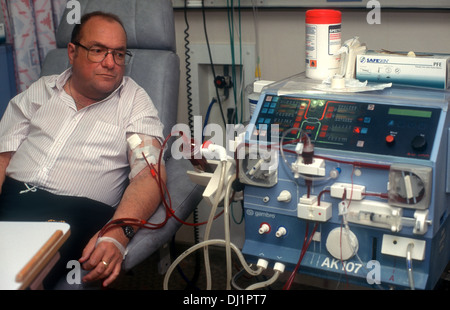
<point x="390" y="139"/>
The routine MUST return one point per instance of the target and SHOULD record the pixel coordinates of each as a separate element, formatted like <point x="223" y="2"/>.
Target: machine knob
<point x="390" y="139"/>
<point x="285" y="196"/>
<point x="419" y="143"/>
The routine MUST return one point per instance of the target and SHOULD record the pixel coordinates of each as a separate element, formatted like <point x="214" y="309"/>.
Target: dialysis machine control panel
<point x="355" y="126"/>
<point x="359" y="193"/>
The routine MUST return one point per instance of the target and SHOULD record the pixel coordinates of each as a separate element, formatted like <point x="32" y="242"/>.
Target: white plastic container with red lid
<point x="323" y="40"/>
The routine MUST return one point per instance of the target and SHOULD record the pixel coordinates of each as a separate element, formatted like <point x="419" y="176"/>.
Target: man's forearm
<point x="140" y="200"/>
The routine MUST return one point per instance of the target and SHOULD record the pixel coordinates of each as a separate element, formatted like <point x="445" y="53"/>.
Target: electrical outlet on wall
<point x="204" y="73"/>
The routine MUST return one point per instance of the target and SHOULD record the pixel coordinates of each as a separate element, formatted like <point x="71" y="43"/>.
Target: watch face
<point x="129" y="231"/>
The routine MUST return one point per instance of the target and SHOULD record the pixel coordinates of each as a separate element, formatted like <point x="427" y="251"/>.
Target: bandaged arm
<point x="142" y="150"/>
<point x="142" y="196"/>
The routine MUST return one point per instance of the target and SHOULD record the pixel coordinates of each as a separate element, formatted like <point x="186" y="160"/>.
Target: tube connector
<point x="279" y="267"/>
<point x="214" y="151"/>
<point x="281" y="231"/>
<point x="262" y="263"/>
<point x="264" y="228"/>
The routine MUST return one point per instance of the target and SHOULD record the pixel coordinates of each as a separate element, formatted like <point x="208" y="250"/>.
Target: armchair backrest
<point x="151" y="37"/>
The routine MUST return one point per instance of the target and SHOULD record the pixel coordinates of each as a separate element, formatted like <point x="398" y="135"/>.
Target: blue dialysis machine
<point x="356" y="185"/>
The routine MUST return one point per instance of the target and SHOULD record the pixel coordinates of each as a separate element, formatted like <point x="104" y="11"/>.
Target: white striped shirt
<point x="71" y="152"/>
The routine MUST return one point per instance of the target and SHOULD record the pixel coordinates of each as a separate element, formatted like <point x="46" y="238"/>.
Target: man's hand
<point x="104" y="261"/>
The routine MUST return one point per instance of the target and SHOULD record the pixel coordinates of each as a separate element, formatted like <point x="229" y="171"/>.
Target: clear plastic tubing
<point x="323" y="39"/>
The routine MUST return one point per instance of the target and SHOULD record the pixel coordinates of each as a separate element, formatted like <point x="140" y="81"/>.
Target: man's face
<point x="97" y="80"/>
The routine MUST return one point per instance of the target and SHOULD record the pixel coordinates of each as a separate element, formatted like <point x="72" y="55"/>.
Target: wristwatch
<point x="128" y="231"/>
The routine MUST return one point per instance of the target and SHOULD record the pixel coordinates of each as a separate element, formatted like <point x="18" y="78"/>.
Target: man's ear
<point x="71" y="50"/>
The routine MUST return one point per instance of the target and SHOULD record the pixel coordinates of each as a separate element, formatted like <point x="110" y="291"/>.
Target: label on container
<point x="322" y="42"/>
<point x="334" y="39"/>
<point x="311" y="42"/>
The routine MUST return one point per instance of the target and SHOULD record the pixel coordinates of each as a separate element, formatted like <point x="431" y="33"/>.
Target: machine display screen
<point x="387" y="129"/>
<point x="408" y="112"/>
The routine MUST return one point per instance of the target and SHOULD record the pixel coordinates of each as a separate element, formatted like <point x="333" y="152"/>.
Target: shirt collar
<point x="61" y="80"/>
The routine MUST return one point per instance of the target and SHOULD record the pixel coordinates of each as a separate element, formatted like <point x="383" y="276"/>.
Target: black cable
<point x="188" y="70"/>
<point x="212" y="63"/>
<point x="193" y="281"/>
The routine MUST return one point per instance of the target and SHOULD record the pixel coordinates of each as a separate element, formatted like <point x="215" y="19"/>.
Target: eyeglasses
<point x="99" y="53"/>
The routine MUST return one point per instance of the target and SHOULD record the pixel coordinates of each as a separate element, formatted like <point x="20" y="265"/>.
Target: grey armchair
<point x="155" y="66"/>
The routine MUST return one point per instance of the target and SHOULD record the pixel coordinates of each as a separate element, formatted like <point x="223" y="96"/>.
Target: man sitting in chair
<point x="64" y="154"/>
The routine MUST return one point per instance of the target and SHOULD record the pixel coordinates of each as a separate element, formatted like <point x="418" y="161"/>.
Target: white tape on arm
<point x="116" y="243"/>
<point x="142" y="151"/>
